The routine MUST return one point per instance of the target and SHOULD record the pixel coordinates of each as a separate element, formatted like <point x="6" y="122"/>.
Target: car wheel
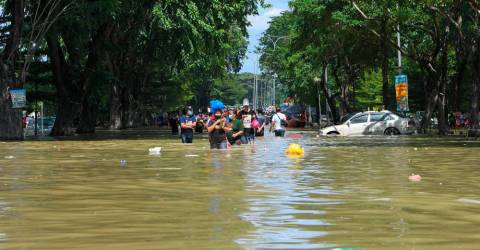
<point x="333" y="133"/>
<point x="391" y="131"/>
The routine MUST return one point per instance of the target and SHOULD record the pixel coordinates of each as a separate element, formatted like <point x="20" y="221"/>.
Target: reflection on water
<point x="345" y="192"/>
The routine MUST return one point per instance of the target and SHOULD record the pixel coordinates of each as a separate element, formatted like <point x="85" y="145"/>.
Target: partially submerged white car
<point x="372" y="123"/>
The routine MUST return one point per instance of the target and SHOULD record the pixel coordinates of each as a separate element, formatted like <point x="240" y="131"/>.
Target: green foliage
<point x="156" y="55"/>
<point x="355" y="42"/>
<point x="369" y="95"/>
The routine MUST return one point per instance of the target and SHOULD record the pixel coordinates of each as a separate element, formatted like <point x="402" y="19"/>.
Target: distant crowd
<point x="459" y="120"/>
<point x="227" y="127"/>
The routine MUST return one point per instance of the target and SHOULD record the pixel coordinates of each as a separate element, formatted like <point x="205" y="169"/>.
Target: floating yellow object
<point x="294" y="150"/>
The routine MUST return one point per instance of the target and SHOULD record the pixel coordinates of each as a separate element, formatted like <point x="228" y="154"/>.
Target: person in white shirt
<point x="279" y="122"/>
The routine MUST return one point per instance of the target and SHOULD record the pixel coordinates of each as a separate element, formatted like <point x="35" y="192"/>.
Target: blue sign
<point x="18" y="97"/>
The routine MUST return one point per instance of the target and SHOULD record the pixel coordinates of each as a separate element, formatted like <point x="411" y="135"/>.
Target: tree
<point x="24" y="25"/>
<point x="10" y="119"/>
<point x="354" y="40"/>
<point x="321" y="38"/>
<point x="137" y="48"/>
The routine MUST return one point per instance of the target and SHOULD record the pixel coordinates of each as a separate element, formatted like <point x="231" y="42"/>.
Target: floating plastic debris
<point x="123" y="163"/>
<point x="415" y="178"/>
<point x="9" y="157"/>
<point x="380" y="199"/>
<point x="469" y="201"/>
<point x="294" y="150"/>
<point x="155" y="151"/>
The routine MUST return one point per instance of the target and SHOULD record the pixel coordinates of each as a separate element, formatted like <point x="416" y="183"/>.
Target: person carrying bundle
<point x="217" y="127"/>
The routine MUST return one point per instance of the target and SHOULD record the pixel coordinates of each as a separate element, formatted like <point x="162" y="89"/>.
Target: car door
<point x="378" y="123"/>
<point x="357" y="125"/>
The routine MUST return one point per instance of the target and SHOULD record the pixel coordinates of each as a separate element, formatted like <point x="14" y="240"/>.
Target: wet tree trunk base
<point x="88" y="116"/>
<point x="473" y="133"/>
<point x="475" y="98"/>
<point x="66" y="114"/>
<point x="11" y="126"/>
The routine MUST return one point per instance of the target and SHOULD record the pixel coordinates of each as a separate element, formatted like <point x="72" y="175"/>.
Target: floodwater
<point x="351" y="193"/>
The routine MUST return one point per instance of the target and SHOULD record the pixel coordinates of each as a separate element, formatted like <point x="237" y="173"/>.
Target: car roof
<point x="375" y="112"/>
<point x="370" y="112"/>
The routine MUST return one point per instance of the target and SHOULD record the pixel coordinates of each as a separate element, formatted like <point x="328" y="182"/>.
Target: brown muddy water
<point x="107" y="192"/>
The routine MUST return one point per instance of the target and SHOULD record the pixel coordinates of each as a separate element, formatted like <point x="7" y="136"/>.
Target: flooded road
<point x="107" y="193"/>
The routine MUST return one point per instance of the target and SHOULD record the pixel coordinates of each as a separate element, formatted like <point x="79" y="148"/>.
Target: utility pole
<point x="36" y="109"/>
<point x="399" y="45"/>
<point x="262" y="104"/>
<point x="254" y="90"/>
<point x="327" y="106"/>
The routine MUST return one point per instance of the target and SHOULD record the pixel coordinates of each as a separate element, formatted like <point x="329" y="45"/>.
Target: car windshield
<point x="347" y="117"/>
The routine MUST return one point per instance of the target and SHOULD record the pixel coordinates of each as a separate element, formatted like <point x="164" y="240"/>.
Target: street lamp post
<point x="255" y="88"/>
<point x="255" y="81"/>
<point x="274" y="42"/>
<point x="399" y="52"/>
<point x="274" y="90"/>
<point x="317" y="83"/>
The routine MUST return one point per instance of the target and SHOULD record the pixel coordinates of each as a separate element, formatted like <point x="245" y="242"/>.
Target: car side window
<point x="359" y="119"/>
<point x="376" y="117"/>
<point x="388" y="118"/>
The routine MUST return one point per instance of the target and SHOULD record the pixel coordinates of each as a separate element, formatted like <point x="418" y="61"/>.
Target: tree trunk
<point x="442" y="116"/>
<point x="11" y="127"/>
<point x="88" y="117"/>
<point x="457" y="90"/>
<point x="115" y="107"/>
<point x="90" y="100"/>
<point x="203" y="94"/>
<point x="330" y="99"/>
<point x="442" y="99"/>
<point x="344" y="95"/>
<point x="354" y="97"/>
<point x="129" y="110"/>
<point x="475" y="91"/>
<point x="431" y="99"/>
<point x="67" y="94"/>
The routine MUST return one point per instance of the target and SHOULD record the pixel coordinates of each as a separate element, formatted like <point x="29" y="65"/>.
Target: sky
<point x="259" y="24"/>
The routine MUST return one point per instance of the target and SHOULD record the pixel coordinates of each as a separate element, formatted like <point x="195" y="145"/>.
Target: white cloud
<point x="274" y="12"/>
<point x="260" y="23"/>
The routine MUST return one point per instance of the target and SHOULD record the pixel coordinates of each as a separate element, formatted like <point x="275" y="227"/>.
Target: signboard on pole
<point x="18" y="97"/>
<point x="401" y="87"/>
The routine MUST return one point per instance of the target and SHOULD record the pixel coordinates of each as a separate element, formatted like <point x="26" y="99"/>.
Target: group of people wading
<point x="227" y="127"/>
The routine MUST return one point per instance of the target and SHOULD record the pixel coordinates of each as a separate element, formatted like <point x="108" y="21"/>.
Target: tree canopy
<point x="353" y="44"/>
<point x="118" y="62"/>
